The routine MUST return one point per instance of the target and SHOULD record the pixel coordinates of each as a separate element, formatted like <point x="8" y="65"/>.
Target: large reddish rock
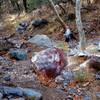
<point x="50" y="61"/>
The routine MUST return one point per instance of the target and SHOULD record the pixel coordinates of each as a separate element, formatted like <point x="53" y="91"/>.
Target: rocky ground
<point x="18" y="77"/>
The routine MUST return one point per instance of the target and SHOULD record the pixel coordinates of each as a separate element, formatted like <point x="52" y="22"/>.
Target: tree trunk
<point x="80" y="27"/>
<point x="15" y="4"/>
<point x="18" y="6"/>
<point x="25" y="5"/>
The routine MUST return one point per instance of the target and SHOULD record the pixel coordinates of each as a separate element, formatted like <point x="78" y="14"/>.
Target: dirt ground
<point x="23" y="73"/>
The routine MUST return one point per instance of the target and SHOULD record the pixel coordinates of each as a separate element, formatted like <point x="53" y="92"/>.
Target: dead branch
<point x="65" y="26"/>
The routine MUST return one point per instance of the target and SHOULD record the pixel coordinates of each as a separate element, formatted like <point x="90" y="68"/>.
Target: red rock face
<point x="50" y="61"/>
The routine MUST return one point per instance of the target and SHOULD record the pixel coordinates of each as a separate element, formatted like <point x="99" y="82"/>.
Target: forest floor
<point x="22" y="73"/>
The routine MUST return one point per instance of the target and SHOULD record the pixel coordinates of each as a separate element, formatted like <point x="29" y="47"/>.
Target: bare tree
<point x="82" y="39"/>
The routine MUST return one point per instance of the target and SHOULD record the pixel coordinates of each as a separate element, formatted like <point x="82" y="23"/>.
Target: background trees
<point x="33" y="4"/>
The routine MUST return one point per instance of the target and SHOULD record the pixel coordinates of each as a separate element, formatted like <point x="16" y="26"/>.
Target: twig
<point x="65" y="26"/>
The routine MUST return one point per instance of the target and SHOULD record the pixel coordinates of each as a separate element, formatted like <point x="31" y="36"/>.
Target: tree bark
<point x="82" y="39"/>
<point x="25" y="5"/>
<point x="15" y="4"/>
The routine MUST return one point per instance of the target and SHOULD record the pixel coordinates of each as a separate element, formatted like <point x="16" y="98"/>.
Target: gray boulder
<point x="42" y="40"/>
<point x="32" y="93"/>
<point x="18" y="54"/>
<point x="99" y="46"/>
<point x="18" y="91"/>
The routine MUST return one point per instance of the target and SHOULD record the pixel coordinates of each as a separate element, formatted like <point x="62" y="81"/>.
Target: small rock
<point x="1" y="58"/>
<point x="9" y="97"/>
<point x="1" y="96"/>
<point x="68" y="75"/>
<point x="87" y="98"/>
<point x="69" y="98"/>
<point x="18" y="91"/>
<point x="22" y="27"/>
<point x="18" y="54"/>
<point x="68" y="35"/>
<point x="98" y="95"/>
<point x="59" y="79"/>
<point x="97" y="76"/>
<point x="41" y="40"/>
<point x="16" y="42"/>
<point x="65" y="85"/>
<point x="5" y="61"/>
<point x="96" y="43"/>
<point x="7" y="78"/>
<point x="72" y="91"/>
<point x="11" y="90"/>
<point x="17" y="99"/>
<point x="72" y="52"/>
<point x="39" y="22"/>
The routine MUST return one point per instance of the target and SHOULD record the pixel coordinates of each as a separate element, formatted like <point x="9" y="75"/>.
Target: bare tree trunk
<point x="60" y="19"/>
<point x="80" y="27"/>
